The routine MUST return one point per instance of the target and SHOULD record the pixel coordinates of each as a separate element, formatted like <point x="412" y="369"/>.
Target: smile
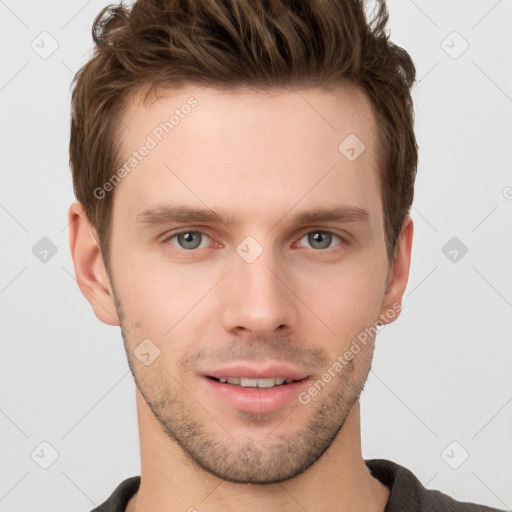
<point x="245" y="382"/>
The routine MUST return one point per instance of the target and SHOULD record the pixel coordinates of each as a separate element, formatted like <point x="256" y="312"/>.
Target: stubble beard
<point x="251" y="459"/>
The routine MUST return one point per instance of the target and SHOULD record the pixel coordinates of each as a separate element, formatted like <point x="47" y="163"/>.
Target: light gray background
<point x="441" y="373"/>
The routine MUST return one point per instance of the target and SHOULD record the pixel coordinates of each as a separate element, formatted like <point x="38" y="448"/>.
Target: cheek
<point x="347" y="297"/>
<point x="160" y="299"/>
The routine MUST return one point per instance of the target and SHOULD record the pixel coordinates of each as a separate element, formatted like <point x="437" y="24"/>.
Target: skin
<point x="258" y="158"/>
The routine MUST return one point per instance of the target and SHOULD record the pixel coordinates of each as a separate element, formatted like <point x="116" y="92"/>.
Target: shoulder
<point x="407" y="492"/>
<point x="121" y="496"/>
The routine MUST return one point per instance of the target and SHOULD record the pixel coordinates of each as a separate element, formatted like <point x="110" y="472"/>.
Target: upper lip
<point x="257" y="372"/>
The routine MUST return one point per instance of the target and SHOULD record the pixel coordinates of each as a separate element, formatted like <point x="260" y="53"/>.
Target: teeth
<point x="267" y="383"/>
<point x="255" y="383"/>
<point x="248" y="383"/>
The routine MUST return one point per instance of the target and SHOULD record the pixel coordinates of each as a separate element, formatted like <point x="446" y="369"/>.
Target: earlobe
<point x="398" y="274"/>
<point x="90" y="271"/>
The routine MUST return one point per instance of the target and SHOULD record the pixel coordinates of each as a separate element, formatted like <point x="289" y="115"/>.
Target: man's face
<point x="270" y="281"/>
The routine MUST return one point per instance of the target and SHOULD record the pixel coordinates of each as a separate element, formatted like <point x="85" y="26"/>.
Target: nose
<point x="260" y="301"/>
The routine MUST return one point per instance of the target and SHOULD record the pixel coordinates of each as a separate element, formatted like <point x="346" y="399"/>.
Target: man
<point x="244" y="172"/>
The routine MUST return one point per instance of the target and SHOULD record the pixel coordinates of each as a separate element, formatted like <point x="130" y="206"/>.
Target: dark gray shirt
<point x="407" y="493"/>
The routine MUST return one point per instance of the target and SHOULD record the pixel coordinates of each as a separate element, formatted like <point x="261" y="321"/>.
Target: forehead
<point x="249" y="150"/>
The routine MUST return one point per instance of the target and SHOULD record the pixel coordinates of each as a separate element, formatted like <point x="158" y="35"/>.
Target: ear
<point x="91" y="274"/>
<point x="398" y="274"/>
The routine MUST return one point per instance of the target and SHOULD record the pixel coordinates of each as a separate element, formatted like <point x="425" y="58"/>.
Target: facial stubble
<point x="249" y="459"/>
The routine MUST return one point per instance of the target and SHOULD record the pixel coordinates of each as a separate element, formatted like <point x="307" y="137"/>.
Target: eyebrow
<point x="342" y="214"/>
<point x="168" y="214"/>
<point x="159" y="215"/>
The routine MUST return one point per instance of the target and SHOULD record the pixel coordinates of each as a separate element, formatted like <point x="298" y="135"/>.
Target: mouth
<point x="255" y="390"/>
<point x="246" y="382"/>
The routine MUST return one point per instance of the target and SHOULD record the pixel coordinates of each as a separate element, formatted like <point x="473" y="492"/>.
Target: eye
<point x="189" y="240"/>
<point x="320" y="239"/>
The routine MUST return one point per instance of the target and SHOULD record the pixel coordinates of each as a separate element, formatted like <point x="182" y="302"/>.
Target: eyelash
<point x="342" y="240"/>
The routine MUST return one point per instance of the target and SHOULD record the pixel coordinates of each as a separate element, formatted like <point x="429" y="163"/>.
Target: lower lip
<point x="256" y="400"/>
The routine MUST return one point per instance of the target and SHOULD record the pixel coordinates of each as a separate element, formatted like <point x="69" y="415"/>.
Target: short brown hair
<point x="241" y="43"/>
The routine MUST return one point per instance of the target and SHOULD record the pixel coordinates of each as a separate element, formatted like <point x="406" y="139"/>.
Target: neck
<point x="339" y="480"/>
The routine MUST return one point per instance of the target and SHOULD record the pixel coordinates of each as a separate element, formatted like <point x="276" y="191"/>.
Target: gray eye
<point x="320" y="239"/>
<point x="189" y="240"/>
